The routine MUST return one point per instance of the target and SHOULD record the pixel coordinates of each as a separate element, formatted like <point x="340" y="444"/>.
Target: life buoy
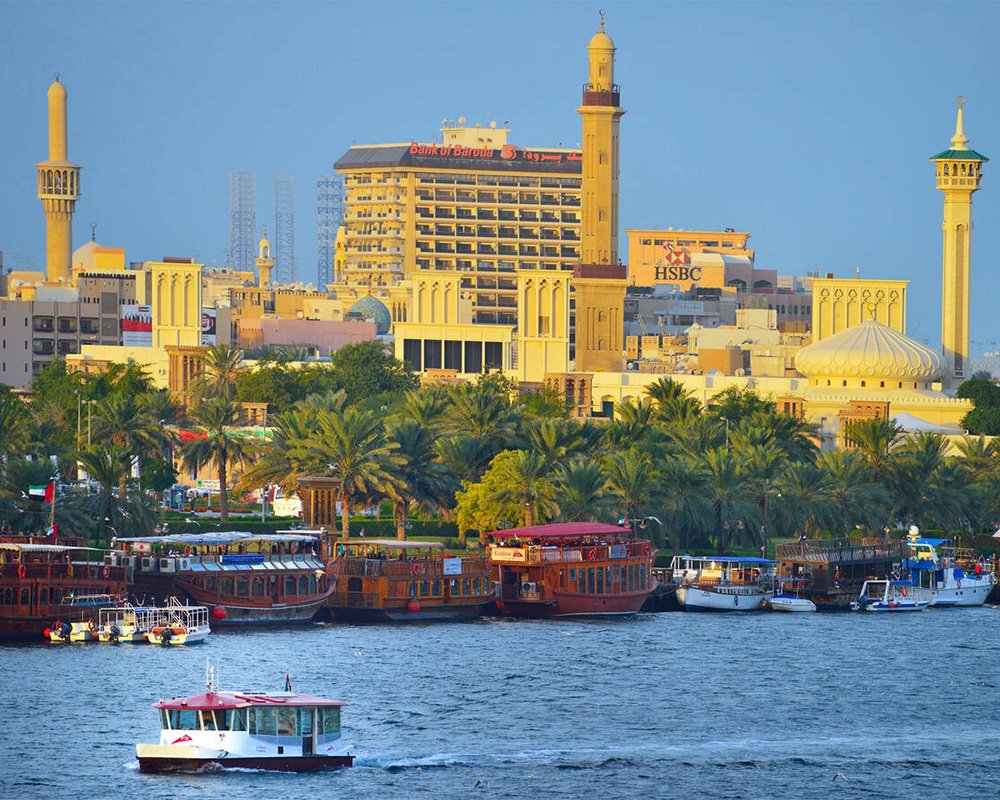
<point x="902" y="591"/>
<point x="591" y="554"/>
<point x="22" y="571"/>
<point x="106" y="572"/>
<point x="416" y="569"/>
<point x="187" y="550"/>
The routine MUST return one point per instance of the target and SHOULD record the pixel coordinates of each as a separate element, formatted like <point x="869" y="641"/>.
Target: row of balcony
<point x="485" y="198"/>
<point x="65" y="325"/>
<point x="489" y="249"/>
<point x="501" y="232"/>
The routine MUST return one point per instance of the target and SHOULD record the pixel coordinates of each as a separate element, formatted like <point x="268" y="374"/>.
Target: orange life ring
<point x="591" y="554"/>
<point x="187" y="550"/>
<point x="22" y="571"/>
<point x="106" y="572"/>
<point x="902" y="591"/>
<point x="416" y="569"/>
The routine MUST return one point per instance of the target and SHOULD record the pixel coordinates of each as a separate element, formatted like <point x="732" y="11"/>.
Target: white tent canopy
<point x="912" y="424"/>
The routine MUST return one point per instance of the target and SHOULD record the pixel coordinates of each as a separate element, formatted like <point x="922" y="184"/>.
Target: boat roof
<point x="931" y="542"/>
<point x="561" y="530"/>
<point x="31" y="547"/>
<point x="731" y="559"/>
<point x="401" y="544"/>
<point x="223" y="700"/>
<point x="221" y="537"/>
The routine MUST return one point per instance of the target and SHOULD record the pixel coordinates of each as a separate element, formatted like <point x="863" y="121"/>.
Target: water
<point x="664" y="705"/>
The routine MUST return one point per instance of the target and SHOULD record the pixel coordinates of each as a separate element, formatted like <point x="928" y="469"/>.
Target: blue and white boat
<point x="722" y="583"/>
<point x="944" y="575"/>
<point x="788" y="596"/>
<point x="888" y="595"/>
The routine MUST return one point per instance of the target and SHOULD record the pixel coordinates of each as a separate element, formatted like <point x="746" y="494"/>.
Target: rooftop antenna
<point x="93" y="231"/>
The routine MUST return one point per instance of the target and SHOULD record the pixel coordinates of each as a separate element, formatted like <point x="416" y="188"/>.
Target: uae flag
<point x="45" y="492"/>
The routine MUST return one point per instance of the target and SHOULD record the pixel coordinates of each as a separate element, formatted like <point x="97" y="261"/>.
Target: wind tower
<point x="264" y="262"/>
<point x="959" y="171"/>
<point x="58" y="189"/>
<point x="599" y="280"/>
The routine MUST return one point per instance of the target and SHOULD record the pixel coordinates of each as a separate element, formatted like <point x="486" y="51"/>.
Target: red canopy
<point x="561" y="530"/>
<point x="224" y="700"/>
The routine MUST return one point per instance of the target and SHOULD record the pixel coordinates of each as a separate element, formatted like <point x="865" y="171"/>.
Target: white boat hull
<point x="723" y="598"/>
<point x="179" y="635"/>
<point x="794" y="604"/>
<point x="972" y="592"/>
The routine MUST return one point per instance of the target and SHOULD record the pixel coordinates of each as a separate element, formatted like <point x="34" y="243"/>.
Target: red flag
<point x="50" y="492"/>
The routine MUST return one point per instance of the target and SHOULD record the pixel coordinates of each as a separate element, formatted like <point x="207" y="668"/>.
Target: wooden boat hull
<point x="572" y="604"/>
<point x="427" y="612"/>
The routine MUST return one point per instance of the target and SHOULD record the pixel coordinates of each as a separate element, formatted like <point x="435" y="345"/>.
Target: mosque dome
<point x="601" y="41"/>
<point x="371" y="308"/>
<point x="869" y="350"/>
<point x="57" y="90"/>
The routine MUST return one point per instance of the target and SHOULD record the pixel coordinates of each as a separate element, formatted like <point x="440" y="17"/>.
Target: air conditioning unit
<point x="184" y="564"/>
<point x="148" y="565"/>
<point x="168" y="565"/>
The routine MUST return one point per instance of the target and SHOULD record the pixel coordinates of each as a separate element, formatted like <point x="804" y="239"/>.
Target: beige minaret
<point x="58" y="189"/>
<point x="264" y="262"/>
<point x="959" y="171"/>
<point x="599" y="281"/>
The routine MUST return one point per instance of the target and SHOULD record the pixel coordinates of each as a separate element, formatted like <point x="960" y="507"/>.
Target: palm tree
<point x="129" y="513"/>
<point x="631" y="426"/>
<point x="124" y="420"/>
<point x="730" y="501"/>
<point x="15" y="426"/>
<point x="807" y="499"/>
<point x="218" y="446"/>
<point x="483" y="416"/>
<point x="423" y="480"/>
<point x="354" y="450"/>
<point x="581" y="490"/>
<point x="222" y="367"/>
<point x="631" y="479"/>
<point x="683" y="499"/>
<point x="875" y="438"/>
<point x="558" y="440"/>
<point x="520" y="477"/>
<point x="857" y="497"/>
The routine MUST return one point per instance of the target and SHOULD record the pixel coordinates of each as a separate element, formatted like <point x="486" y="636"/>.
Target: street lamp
<point x="727" y="526"/>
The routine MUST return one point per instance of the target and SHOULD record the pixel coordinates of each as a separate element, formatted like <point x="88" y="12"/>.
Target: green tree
<point x="423" y="481"/>
<point x="581" y="491"/>
<point x="124" y="419"/>
<point x="519" y="479"/>
<point x="368" y="372"/>
<point x="217" y="446"/>
<point x="222" y="367"/>
<point x="631" y="480"/>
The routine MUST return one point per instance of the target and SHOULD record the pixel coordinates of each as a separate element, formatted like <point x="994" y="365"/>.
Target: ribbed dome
<point x="601" y="41"/>
<point x="373" y="309"/>
<point x="869" y="350"/>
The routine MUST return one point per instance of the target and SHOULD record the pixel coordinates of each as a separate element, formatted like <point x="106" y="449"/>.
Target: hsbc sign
<point x="678" y="273"/>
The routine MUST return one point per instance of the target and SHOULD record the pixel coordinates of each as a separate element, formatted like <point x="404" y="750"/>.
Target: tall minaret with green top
<point x="959" y="171"/>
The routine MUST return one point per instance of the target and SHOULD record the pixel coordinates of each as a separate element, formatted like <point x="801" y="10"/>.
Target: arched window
<point x="946" y="170"/>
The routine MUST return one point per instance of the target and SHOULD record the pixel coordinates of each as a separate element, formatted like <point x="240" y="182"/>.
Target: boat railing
<point x="355" y="599"/>
<point x="818" y="553"/>
<point x="61" y="571"/>
<point x="406" y="568"/>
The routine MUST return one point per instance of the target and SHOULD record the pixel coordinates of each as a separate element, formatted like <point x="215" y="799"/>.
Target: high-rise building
<point x="959" y="171"/>
<point x="58" y="189"/>
<point x="473" y="204"/>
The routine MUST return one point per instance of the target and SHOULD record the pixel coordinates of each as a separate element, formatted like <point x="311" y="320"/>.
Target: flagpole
<point x="52" y="515"/>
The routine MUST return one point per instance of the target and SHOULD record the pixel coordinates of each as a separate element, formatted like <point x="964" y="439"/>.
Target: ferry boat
<point x="244" y="578"/>
<point x="945" y="575"/>
<point x="391" y="580"/>
<point x="722" y="583"/>
<point x="125" y="623"/>
<point x="832" y="571"/>
<point x="35" y="578"/>
<point x="888" y="595"/>
<point x="570" y="569"/>
<point x="178" y="623"/>
<point x="76" y="615"/>
<point x="252" y="730"/>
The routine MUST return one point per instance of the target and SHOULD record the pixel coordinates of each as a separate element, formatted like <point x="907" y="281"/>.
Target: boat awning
<point x="219" y="538"/>
<point x="732" y="559"/>
<point x="399" y="544"/>
<point x="561" y="530"/>
<point x="221" y="700"/>
<point x="32" y="547"/>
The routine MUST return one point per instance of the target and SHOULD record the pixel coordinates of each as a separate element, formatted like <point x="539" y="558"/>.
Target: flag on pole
<point x="288" y="682"/>
<point x="44" y="492"/>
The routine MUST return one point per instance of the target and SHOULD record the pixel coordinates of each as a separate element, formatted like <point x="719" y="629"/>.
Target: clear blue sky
<point x="807" y="124"/>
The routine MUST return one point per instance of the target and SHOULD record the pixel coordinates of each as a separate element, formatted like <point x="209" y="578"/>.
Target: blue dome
<point x="373" y="309"/>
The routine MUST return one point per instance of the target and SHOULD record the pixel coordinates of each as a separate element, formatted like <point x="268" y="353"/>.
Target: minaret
<point x="959" y="171"/>
<point x="264" y="262"/>
<point x="599" y="281"/>
<point x="58" y="189"/>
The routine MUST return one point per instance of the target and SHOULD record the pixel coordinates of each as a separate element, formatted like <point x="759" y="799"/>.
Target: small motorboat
<point x="252" y="730"/>
<point x="888" y="595"/>
<point x="177" y="623"/>
<point x="788" y="596"/>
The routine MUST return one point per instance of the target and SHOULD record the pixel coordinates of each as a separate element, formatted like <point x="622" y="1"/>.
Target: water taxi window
<point x="288" y="722"/>
<point x="425" y="588"/>
<point x="436" y="588"/>
<point x="239" y="719"/>
<point x="183" y="719"/>
<point x="257" y="587"/>
<point x="572" y="574"/>
<point x="329" y="720"/>
<point x="263" y="721"/>
<point x="215" y="720"/>
<point x="306" y="721"/>
<point x="600" y="580"/>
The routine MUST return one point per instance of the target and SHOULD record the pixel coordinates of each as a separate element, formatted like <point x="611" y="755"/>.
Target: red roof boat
<point x="570" y="569"/>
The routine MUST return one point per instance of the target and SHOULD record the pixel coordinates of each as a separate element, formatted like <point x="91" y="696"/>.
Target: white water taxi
<point x="888" y="595"/>
<point x="722" y="583"/>
<point x="945" y="575"/>
<point x="178" y="623"/>
<point x="255" y="730"/>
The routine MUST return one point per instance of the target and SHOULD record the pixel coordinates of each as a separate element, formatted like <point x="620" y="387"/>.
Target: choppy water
<point x="664" y="705"/>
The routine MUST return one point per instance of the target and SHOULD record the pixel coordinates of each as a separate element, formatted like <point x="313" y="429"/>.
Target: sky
<point x="807" y="124"/>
